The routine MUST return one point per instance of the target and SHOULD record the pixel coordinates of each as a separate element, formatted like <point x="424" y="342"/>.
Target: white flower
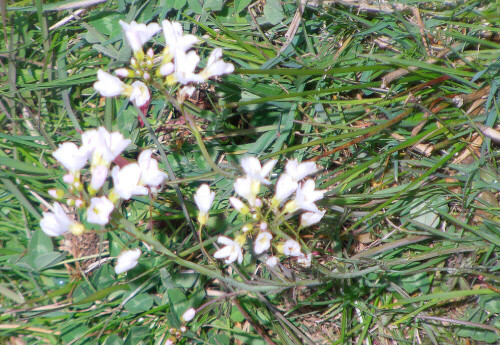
<point x="304" y="260"/>
<point x="216" y="66"/>
<point x="262" y="242"/>
<point x="188" y="315"/>
<point x="305" y="198"/>
<point x="272" y="261"/>
<point x="99" y="176"/>
<point x="204" y="198"/>
<point x="138" y="34"/>
<point x="69" y="178"/>
<point x="56" y="193"/>
<point x="127" y="260"/>
<point x="299" y="171"/>
<point x="231" y="252"/>
<point x="253" y="169"/>
<point x="238" y="205"/>
<point x="126" y="181"/>
<point x="186" y="91"/>
<point x="243" y="187"/>
<point x="133" y="178"/>
<point x="175" y="39"/>
<point x="99" y="210"/>
<point x="140" y="94"/>
<point x="310" y="218"/>
<point x="79" y="203"/>
<point x="150" y="174"/>
<point x="167" y="69"/>
<point x="70" y="156"/>
<point x="285" y="187"/>
<point x="103" y="146"/>
<point x="291" y="248"/>
<point x="55" y="223"/>
<point x="124" y="72"/>
<point x="185" y="64"/>
<point x="108" y="85"/>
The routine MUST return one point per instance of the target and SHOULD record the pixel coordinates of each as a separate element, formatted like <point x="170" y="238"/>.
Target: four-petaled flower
<point x="175" y="39"/>
<point x="299" y="171"/>
<point x="215" y="66"/>
<point x="99" y="210"/>
<point x="252" y="168"/>
<point x="262" y="242"/>
<point x="71" y="156"/>
<point x="138" y="34"/>
<point x="305" y="197"/>
<point x="55" y="223"/>
<point x="285" y="187"/>
<point x="291" y="248"/>
<point x="231" y="252"/>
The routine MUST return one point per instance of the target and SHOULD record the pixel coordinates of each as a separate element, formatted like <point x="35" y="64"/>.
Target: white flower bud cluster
<point x="268" y="214"/>
<point x="99" y="148"/>
<point x="177" y="64"/>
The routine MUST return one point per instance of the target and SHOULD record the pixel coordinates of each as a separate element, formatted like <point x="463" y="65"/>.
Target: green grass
<point x="407" y="252"/>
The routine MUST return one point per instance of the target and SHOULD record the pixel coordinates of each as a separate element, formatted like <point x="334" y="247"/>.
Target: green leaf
<point x="212" y="5"/>
<point x="136" y="334"/>
<point x="220" y="339"/>
<point x="240" y="5"/>
<point x="140" y="303"/>
<point x="179" y="4"/>
<point x="47" y="260"/>
<point x="414" y="282"/>
<point x="273" y="11"/>
<point x="8" y="293"/>
<point x="113" y="339"/>
<point x="39" y="244"/>
<point x="236" y="315"/>
<point x="195" y="6"/>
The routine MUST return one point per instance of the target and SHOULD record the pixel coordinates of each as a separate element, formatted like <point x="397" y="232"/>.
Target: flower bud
<point x="188" y="315"/>
<point x="246" y="228"/>
<point x="239" y="205"/>
<point x="56" y="193"/>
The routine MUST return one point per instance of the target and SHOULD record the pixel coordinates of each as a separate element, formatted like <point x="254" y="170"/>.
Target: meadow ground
<point x="394" y="106"/>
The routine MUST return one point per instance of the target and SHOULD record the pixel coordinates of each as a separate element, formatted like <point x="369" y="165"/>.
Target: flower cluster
<point x="177" y="63"/>
<point x="267" y="215"/>
<point x="99" y="148"/>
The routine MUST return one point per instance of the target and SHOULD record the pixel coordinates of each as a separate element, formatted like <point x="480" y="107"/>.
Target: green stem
<point x="199" y="140"/>
<point x="192" y="127"/>
<point x="171" y="174"/>
<point x="198" y="268"/>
